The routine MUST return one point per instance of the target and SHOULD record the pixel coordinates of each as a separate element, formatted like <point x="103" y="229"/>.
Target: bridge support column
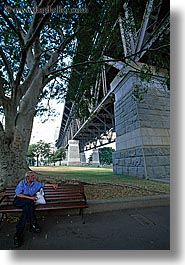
<point x="142" y="128"/>
<point x="83" y="159"/>
<point x="95" y="157"/>
<point x="73" y="153"/>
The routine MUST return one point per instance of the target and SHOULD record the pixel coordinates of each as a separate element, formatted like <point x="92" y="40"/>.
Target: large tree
<point x="37" y="44"/>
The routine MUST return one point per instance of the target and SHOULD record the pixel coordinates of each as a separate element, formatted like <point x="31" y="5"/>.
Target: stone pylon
<point x="83" y="158"/>
<point x="95" y="157"/>
<point x="73" y="158"/>
<point x="142" y="128"/>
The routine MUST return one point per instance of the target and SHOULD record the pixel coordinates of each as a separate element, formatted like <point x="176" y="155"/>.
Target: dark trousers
<point x="28" y="212"/>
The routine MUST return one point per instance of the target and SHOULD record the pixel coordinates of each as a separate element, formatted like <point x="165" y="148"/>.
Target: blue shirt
<point x="26" y="189"/>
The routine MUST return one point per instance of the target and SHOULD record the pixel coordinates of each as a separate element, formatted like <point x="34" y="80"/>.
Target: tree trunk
<point x="15" y="138"/>
<point x="13" y="152"/>
<point x="37" y="156"/>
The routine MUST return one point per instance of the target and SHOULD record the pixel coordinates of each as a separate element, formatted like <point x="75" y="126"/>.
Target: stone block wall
<point x="154" y="116"/>
<point x="130" y="162"/>
<point x="157" y="159"/>
<point x="142" y="130"/>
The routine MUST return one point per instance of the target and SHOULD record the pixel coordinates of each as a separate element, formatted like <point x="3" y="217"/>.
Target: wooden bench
<point x="65" y="197"/>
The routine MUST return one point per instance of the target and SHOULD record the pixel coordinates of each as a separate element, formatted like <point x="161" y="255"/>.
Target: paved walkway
<point x="125" y="229"/>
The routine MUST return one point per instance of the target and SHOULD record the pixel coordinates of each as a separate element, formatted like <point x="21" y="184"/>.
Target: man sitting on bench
<point x="25" y="197"/>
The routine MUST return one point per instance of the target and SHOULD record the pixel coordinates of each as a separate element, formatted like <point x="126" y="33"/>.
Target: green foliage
<point x="141" y="88"/>
<point x="41" y="151"/>
<point x="44" y="153"/>
<point x="145" y="73"/>
<point x="58" y="155"/>
<point x="105" y="154"/>
<point x="18" y="25"/>
<point x="31" y="155"/>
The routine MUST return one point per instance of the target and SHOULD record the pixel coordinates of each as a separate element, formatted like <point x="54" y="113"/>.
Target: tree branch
<point x="23" y="87"/>
<point x="35" y="33"/>
<point x="10" y="74"/>
<point x="29" y="42"/>
<point x="48" y="79"/>
<point x="12" y="26"/>
<point x="20" y="71"/>
<point x="18" y="24"/>
<point x="83" y="63"/>
<point x="30" y="58"/>
<point x="35" y="27"/>
<point x="106" y="61"/>
<point x="1" y="126"/>
<point x="4" y="101"/>
<point x="54" y="56"/>
<point x="37" y="48"/>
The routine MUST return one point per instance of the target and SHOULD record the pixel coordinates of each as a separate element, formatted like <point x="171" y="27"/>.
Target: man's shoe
<point x="18" y="239"/>
<point x="35" y="228"/>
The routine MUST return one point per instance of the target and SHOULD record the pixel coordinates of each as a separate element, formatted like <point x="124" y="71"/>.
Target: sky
<point x="47" y="131"/>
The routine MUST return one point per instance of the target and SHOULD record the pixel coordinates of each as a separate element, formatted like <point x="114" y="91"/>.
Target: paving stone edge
<point x="100" y="205"/>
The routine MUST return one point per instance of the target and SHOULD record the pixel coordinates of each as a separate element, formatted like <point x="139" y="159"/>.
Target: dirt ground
<point x="106" y="191"/>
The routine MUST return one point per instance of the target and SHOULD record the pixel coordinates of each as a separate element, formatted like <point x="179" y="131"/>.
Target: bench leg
<point x="82" y="214"/>
<point x="2" y="217"/>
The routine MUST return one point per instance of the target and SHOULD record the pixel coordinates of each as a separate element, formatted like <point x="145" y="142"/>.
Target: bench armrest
<point x="85" y="199"/>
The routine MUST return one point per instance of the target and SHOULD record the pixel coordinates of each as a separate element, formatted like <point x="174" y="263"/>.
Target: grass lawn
<point x="102" y="177"/>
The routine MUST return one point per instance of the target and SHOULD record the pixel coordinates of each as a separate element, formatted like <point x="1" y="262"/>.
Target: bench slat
<point x="64" y="187"/>
<point x="52" y="194"/>
<point x="46" y="207"/>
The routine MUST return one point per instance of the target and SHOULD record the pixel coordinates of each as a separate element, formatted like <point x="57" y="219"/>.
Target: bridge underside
<point x="96" y="131"/>
<point x="99" y="128"/>
<point x="127" y="100"/>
